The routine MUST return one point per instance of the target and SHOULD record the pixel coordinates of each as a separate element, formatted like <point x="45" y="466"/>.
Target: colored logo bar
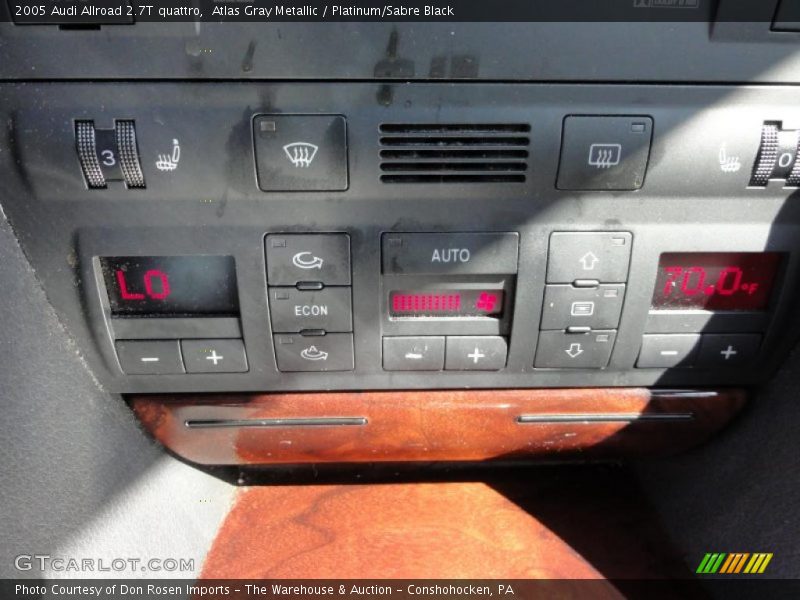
<point x="734" y="563"/>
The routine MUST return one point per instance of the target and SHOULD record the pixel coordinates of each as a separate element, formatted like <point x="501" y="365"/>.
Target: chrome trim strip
<point x="605" y="418"/>
<point x="290" y="422"/>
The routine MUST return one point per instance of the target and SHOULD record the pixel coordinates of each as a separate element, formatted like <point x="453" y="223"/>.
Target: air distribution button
<point x="565" y="350"/>
<point x="602" y="256"/>
<point x="331" y="352"/>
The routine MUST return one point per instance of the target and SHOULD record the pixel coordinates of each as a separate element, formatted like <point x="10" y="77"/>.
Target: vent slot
<point x="454" y="153"/>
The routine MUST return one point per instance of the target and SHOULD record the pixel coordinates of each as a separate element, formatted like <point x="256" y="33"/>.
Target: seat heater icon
<point x="169" y="162"/>
<point x="301" y="154"/>
<point x="603" y="156"/>
<point x="727" y="163"/>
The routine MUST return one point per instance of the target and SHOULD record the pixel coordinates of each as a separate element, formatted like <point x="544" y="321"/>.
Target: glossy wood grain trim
<point x="579" y="523"/>
<point x="458" y="425"/>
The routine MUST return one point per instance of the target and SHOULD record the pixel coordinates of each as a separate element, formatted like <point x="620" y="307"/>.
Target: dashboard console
<point x="206" y="237"/>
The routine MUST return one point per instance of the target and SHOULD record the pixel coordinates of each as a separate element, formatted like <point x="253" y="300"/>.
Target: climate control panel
<point x="448" y="303"/>
<point x="359" y="236"/>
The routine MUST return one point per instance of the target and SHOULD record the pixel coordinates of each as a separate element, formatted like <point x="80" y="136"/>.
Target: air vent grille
<point x="454" y="153"/>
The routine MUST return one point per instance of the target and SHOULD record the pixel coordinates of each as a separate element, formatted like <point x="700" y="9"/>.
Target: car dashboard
<point x="413" y="246"/>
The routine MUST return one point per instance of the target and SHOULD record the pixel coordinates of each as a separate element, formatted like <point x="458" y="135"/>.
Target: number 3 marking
<point x="108" y="158"/>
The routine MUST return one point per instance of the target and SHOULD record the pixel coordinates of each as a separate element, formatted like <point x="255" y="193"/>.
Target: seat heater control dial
<point x="777" y="156"/>
<point x="109" y="154"/>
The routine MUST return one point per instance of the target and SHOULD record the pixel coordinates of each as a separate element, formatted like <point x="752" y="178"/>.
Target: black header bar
<point x="100" y="12"/>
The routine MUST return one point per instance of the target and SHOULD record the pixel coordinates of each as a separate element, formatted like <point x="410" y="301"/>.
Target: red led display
<point x="156" y="285"/>
<point x="719" y="281"/>
<point x="143" y="286"/>
<point x="446" y="303"/>
<point x="416" y="303"/>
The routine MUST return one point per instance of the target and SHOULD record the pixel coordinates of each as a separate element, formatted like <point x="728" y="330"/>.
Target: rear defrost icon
<point x="301" y="154"/>
<point x="603" y="156"/>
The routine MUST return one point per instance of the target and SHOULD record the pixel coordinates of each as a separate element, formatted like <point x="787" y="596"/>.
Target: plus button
<point x="728" y="352"/>
<point x="476" y="355"/>
<point x="214" y="357"/>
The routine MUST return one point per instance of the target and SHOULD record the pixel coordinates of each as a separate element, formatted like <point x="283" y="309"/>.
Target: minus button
<point x="667" y="351"/>
<point x="149" y="357"/>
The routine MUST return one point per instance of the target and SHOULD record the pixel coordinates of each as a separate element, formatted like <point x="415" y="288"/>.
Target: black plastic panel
<point x="211" y="204"/>
<point x="728" y="50"/>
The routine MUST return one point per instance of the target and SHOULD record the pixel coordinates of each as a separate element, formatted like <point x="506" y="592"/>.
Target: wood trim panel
<point x="463" y="425"/>
<point x="578" y="523"/>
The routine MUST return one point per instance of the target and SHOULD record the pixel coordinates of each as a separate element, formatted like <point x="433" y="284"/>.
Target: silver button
<point x="421" y="353"/>
<point x="294" y="310"/>
<point x="475" y="353"/>
<point x="157" y="357"/>
<point x="562" y="350"/>
<point x="214" y="356"/>
<point x="665" y="351"/>
<point x="331" y="352"/>
<point x="602" y="256"/>
<point x="596" y="307"/>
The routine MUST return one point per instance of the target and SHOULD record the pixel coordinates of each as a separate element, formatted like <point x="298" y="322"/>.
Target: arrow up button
<point x="601" y="256"/>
